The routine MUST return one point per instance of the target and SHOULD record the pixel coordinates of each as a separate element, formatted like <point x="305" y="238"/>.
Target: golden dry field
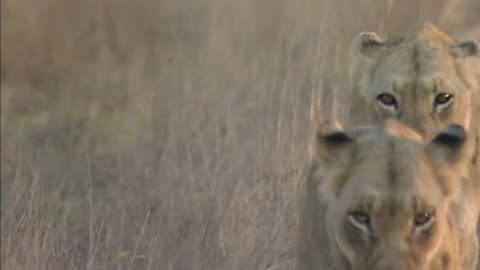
<point x="172" y="134"/>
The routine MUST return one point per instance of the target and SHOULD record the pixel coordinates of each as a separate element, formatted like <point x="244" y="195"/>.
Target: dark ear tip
<point x="328" y="129"/>
<point x="336" y="138"/>
<point x="454" y="134"/>
<point x="332" y="133"/>
<point x="370" y="39"/>
<point x="371" y="43"/>
<point x="473" y="47"/>
<point x="467" y="48"/>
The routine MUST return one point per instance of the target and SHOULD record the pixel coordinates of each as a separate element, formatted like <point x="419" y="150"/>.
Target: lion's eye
<point x="443" y="98"/>
<point x="387" y="99"/>
<point x="422" y="218"/>
<point x="360" y="217"/>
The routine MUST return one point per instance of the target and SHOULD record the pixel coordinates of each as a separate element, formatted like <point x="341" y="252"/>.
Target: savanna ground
<point x="172" y="134"/>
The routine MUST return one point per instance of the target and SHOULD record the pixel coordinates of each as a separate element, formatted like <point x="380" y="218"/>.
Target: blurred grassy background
<point x="172" y="134"/>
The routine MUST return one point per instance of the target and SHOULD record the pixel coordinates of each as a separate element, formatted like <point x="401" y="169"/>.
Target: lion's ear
<point x="334" y="148"/>
<point x="448" y="146"/>
<point x="364" y="51"/>
<point x="368" y="44"/>
<point x="465" y="48"/>
<point x="333" y="144"/>
<point x="447" y="150"/>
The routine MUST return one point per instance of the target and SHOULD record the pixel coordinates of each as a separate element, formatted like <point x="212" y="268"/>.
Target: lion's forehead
<point x="422" y="70"/>
<point x="400" y="60"/>
<point x="393" y="172"/>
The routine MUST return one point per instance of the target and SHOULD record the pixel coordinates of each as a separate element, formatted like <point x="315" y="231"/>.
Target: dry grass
<point x="172" y="134"/>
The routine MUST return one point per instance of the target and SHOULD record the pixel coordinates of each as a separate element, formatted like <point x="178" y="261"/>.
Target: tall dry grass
<point x="172" y="134"/>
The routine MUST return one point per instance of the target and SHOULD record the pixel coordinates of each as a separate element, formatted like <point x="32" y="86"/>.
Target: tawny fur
<point x="414" y="70"/>
<point x="391" y="164"/>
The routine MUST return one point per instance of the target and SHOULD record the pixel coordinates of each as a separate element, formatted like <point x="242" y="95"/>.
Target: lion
<point x="378" y="198"/>
<point x="426" y="81"/>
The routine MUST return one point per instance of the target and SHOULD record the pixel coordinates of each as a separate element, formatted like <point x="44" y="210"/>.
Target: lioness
<point x="379" y="198"/>
<point x="427" y="81"/>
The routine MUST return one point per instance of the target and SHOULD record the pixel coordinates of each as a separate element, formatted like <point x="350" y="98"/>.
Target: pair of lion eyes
<point x="390" y="100"/>
<point x="419" y="219"/>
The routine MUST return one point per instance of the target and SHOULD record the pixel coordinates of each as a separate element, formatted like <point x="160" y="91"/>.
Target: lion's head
<point x="388" y="194"/>
<point x="425" y="81"/>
